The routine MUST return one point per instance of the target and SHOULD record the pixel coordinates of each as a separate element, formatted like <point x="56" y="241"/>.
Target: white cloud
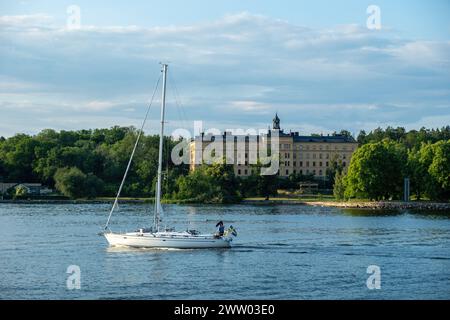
<point x="100" y="105"/>
<point x="249" y="106"/>
<point x="239" y="69"/>
<point x="37" y="20"/>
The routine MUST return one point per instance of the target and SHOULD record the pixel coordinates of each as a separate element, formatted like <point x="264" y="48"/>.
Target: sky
<point x="232" y="64"/>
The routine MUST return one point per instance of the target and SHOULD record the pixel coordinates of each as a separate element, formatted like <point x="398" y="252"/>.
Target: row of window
<point x="320" y="164"/>
<point x="287" y="155"/>
<point x="314" y="172"/>
<point x="287" y="146"/>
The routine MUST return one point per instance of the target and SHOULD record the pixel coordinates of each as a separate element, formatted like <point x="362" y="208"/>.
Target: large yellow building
<point x="297" y="154"/>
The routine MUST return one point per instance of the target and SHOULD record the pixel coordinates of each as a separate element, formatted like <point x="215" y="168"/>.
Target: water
<point x="281" y="252"/>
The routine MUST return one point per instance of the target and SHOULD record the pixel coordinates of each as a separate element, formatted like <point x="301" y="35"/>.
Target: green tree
<point x="70" y="182"/>
<point x="20" y="191"/>
<point x="417" y="173"/>
<point x="431" y="169"/>
<point x="73" y="183"/>
<point x="376" y="171"/>
<point x="223" y="176"/>
<point x="440" y="166"/>
<point x="197" y="186"/>
<point x="266" y="185"/>
<point x="339" y="186"/>
<point x="17" y="156"/>
<point x="93" y="186"/>
<point x="336" y="167"/>
<point x="215" y="183"/>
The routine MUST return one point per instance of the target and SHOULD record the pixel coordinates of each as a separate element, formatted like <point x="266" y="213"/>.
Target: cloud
<point x="249" y="106"/>
<point x="236" y="70"/>
<point x="23" y="21"/>
<point x="100" y="105"/>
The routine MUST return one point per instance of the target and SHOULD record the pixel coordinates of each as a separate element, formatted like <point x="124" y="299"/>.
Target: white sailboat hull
<point x="173" y="240"/>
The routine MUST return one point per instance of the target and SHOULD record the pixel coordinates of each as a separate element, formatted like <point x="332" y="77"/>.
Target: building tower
<point x="276" y="122"/>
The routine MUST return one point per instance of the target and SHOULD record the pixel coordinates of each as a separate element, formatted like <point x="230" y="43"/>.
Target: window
<point x="287" y="172"/>
<point x="239" y="171"/>
<point x="343" y="164"/>
<point x="343" y="156"/>
<point x="314" y="163"/>
<point x="327" y="163"/>
<point x="301" y="163"/>
<point x="314" y="156"/>
<point x="307" y="163"/>
<point x="320" y="172"/>
<point x="245" y="171"/>
<point x="314" y="172"/>
<point x="294" y="156"/>
<point x="320" y="164"/>
<point x="246" y="155"/>
<point x="301" y="171"/>
<point x="246" y="162"/>
<point x="295" y="164"/>
<point x="295" y="171"/>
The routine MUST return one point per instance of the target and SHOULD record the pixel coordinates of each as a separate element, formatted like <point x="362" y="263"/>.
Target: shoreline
<point x="374" y="205"/>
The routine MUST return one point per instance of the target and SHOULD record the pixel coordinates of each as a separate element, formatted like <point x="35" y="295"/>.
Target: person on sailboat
<point x="220" y="229"/>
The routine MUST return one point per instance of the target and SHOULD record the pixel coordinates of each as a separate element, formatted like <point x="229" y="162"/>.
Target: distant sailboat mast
<point x="158" y="208"/>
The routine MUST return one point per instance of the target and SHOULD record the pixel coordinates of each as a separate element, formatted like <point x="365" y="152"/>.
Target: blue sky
<point x="234" y="63"/>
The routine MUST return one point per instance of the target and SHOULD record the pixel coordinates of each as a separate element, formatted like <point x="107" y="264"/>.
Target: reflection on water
<point x="281" y="252"/>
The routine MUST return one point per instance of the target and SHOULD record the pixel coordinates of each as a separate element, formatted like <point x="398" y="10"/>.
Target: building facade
<point x="307" y="155"/>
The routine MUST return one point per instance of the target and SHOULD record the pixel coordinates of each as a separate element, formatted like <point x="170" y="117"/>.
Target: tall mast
<point x="161" y="142"/>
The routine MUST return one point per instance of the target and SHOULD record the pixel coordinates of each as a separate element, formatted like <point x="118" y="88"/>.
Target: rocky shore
<point x="398" y="205"/>
<point x="421" y="205"/>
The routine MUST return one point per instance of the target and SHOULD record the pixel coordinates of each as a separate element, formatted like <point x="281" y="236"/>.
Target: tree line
<point x="91" y="163"/>
<point x="386" y="157"/>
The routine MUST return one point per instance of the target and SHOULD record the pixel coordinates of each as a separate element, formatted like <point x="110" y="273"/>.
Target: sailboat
<point x="157" y="236"/>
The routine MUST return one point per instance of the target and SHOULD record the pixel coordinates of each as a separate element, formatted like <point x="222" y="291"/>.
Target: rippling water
<point x="281" y="252"/>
